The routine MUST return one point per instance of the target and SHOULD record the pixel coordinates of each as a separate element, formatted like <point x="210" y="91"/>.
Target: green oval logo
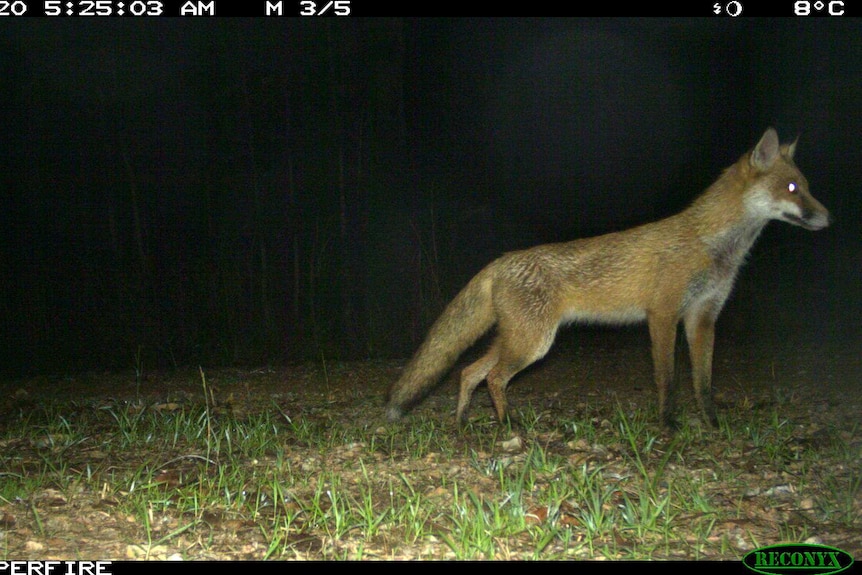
<point x="797" y="558"/>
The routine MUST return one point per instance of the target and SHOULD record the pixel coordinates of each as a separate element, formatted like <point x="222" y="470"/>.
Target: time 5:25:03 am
<point x="103" y="8"/>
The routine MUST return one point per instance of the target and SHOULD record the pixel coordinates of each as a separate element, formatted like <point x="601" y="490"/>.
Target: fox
<point x="680" y="269"/>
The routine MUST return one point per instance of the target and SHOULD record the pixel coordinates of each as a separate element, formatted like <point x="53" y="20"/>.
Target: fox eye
<point x="791" y="187"/>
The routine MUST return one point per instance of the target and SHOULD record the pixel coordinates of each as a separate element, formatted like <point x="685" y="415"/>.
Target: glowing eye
<point x="791" y="187"/>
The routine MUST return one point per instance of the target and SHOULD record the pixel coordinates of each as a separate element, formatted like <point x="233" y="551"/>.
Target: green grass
<point x="191" y="481"/>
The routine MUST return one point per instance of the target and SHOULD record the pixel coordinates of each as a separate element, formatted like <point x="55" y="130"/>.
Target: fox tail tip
<point x="394" y="413"/>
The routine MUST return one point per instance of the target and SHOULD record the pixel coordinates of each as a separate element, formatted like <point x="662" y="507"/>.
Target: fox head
<point x="778" y="190"/>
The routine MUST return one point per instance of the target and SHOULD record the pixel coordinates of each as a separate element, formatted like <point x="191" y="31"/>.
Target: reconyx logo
<point x="797" y="557"/>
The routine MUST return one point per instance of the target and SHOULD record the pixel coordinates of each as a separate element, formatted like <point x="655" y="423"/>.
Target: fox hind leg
<point x="472" y="376"/>
<point x="516" y="351"/>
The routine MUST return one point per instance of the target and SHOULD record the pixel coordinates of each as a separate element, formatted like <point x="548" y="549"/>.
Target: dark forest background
<point x="267" y="191"/>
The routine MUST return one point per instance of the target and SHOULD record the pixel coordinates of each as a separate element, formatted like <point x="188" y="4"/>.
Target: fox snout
<point x="815" y="221"/>
<point x="812" y="214"/>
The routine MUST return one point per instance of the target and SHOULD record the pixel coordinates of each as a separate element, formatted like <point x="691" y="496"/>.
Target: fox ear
<point x="766" y="150"/>
<point x="790" y="149"/>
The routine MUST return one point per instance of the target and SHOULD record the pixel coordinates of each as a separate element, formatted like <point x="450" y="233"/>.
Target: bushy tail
<point x="463" y="321"/>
